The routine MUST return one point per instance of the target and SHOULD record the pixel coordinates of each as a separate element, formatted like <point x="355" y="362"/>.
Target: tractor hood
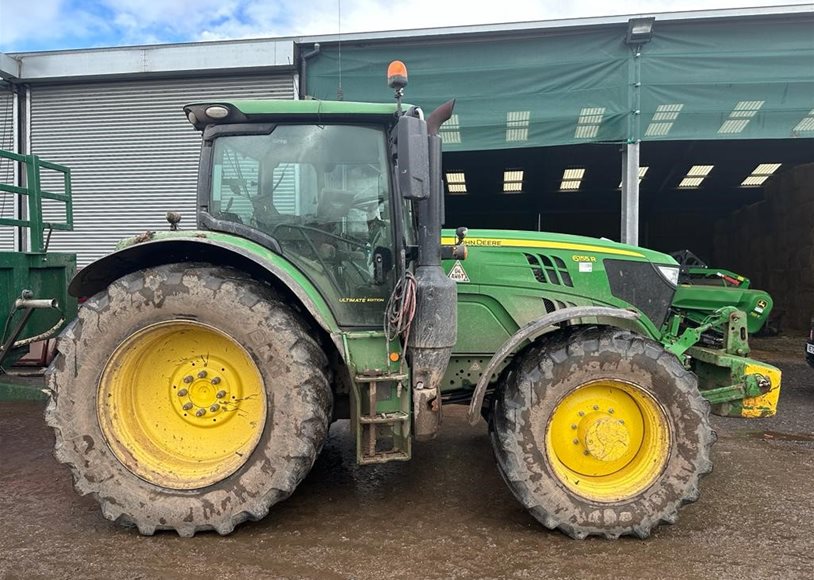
<point x="580" y="246"/>
<point x="565" y="270"/>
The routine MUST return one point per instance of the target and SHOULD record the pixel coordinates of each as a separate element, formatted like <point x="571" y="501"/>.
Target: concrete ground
<point x="445" y="514"/>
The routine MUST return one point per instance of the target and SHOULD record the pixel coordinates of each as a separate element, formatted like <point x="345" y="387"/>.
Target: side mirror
<point x="413" y="158"/>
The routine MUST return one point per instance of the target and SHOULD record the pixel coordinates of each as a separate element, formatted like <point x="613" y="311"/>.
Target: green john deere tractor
<point x="196" y="387"/>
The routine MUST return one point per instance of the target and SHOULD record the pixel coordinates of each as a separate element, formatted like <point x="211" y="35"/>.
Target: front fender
<point x="211" y="247"/>
<point x="531" y="331"/>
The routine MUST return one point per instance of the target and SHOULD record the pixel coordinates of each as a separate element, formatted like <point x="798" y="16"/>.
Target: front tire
<point x="188" y="398"/>
<point x="599" y="431"/>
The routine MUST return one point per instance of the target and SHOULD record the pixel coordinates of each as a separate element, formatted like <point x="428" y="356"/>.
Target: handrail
<point x="35" y="193"/>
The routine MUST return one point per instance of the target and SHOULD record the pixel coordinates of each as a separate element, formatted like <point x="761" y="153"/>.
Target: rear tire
<point x="598" y="431"/>
<point x="259" y="407"/>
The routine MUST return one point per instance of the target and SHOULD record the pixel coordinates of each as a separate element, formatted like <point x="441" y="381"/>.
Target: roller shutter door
<point x="7" y="200"/>
<point x="133" y="155"/>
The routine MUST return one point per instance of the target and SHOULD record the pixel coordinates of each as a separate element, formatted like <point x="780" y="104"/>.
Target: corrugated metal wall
<point x="7" y="200"/>
<point x="133" y="155"/>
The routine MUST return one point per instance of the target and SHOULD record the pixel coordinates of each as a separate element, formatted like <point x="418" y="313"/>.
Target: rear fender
<point x="216" y="249"/>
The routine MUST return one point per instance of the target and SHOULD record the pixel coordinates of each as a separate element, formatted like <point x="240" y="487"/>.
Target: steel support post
<point x="630" y="194"/>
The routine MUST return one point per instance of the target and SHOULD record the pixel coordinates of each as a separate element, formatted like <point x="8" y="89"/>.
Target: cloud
<point x="314" y="17"/>
<point x="85" y="23"/>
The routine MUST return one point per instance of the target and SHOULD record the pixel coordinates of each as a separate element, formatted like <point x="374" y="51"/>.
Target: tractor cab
<point x="321" y="195"/>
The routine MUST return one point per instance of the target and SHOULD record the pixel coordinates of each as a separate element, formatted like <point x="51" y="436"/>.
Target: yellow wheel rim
<point x="608" y="440"/>
<point x="181" y="404"/>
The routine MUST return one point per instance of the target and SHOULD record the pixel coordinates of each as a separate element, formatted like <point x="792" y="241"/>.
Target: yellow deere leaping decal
<point x="504" y="242"/>
<point x="764" y="405"/>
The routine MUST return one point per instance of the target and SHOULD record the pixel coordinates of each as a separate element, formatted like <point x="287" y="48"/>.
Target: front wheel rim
<point x="608" y="440"/>
<point x="181" y="404"/>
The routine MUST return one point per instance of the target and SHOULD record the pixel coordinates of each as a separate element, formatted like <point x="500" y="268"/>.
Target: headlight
<point x="670" y="274"/>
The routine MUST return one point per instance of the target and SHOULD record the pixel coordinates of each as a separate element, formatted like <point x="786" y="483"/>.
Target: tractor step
<point x="385" y="419"/>
<point x="381" y="378"/>
<point x="380" y="413"/>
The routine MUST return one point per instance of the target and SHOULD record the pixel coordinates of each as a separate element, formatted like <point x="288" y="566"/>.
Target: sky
<point x="66" y="24"/>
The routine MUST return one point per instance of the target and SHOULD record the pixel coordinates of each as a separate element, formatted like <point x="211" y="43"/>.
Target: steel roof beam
<point x="177" y="59"/>
<point x="9" y="67"/>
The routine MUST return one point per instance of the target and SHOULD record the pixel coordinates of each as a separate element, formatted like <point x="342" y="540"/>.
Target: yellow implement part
<point x="608" y="440"/>
<point x="765" y="405"/>
<point x="181" y="404"/>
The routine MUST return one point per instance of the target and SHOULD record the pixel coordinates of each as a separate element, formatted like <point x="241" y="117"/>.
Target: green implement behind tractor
<point x="197" y="385"/>
<point x="703" y="290"/>
<point x="34" y="298"/>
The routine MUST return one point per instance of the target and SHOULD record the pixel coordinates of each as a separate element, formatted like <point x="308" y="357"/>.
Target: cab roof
<point x="269" y="110"/>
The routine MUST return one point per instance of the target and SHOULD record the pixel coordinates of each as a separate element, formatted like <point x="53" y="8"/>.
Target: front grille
<point x="641" y="284"/>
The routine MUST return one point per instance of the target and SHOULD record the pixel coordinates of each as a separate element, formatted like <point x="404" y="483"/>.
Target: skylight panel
<point x="450" y="131"/>
<point x="456" y="182"/>
<point x="760" y="174"/>
<point x="513" y="181"/>
<point x="699" y="170"/>
<point x="690" y="182"/>
<point x="754" y="181"/>
<point x="695" y="176"/>
<point x="590" y="118"/>
<point x="733" y="125"/>
<point x="747" y="108"/>
<point x="740" y="116"/>
<point x="663" y="120"/>
<point x="807" y="124"/>
<point x="517" y="125"/>
<point x="572" y="179"/>
<point x="456" y="177"/>
<point x="570" y="174"/>
<point x="766" y="168"/>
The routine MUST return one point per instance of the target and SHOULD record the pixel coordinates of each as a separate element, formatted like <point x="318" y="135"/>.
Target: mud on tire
<point x="291" y="364"/>
<point x="544" y="376"/>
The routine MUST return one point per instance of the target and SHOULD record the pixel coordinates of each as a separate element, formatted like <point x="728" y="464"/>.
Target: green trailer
<point x="34" y="298"/>
<point x="196" y="387"/>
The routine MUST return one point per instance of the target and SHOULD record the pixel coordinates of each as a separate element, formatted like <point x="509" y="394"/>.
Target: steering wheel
<point x="309" y="232"/>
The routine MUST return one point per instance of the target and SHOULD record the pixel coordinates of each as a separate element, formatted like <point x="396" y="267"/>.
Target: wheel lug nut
<point x="202" y="375"/>
<point x="576" y="441"/>
<point x="582" y="413"/>
<point x="214" y="407"/>
<point x="216" y="381"/>
<point x="182" y="393"/>
<point x="596" y="407"/>
<point x="200" y="412"/>
<point x="188" y="379"/>
<point x="220" y="394"/>
<point x="574" y="426"/>
<point x="610" y="411"/>
<point x="187" y="406"/>
<point x="586" y="452"/>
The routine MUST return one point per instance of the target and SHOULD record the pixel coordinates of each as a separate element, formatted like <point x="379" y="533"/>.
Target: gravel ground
<point x="445" y="514"/>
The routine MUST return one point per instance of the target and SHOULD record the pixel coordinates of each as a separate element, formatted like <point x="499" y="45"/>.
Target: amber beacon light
<point x="396" y="75"/>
